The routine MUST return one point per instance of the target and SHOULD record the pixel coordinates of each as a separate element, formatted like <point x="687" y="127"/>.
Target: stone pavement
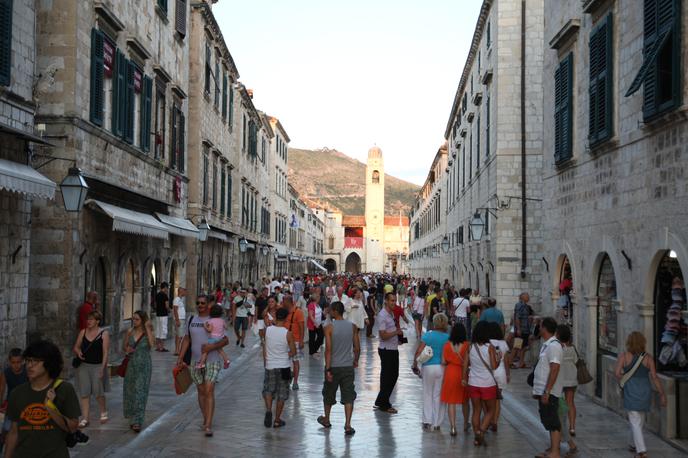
<point x="172" y="425"/>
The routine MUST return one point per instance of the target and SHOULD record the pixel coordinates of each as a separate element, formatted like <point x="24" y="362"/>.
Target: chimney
<point x="250" y="93"/>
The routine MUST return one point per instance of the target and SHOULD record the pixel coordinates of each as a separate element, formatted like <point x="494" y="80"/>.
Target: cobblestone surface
<point x="172" y="425"/>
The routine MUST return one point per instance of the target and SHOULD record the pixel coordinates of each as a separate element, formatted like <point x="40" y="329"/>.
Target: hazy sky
<point x="351" y="74"/>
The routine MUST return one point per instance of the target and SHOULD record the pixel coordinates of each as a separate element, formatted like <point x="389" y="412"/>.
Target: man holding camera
<point x="388" y="349"/>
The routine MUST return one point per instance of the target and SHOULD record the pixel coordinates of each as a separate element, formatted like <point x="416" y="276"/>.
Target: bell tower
<point x="375" y="210"/>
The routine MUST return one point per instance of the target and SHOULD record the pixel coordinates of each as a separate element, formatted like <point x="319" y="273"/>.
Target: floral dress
<point x="137" y="381"/>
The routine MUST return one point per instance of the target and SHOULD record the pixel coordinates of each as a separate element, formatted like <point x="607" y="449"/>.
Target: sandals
<point x="349" y="432"/>
<point x="267" y="421"/>
<point x="572" y="432"/>
<point x="226" y="365"/>
<point x="279" y="423"/>
<point x="479" y="439"/>
<point x="321" y="420"/>
<point x="389" y="410"/>
<point x="104" y="417"/>
<point x="136" y="428"/>
<point x="208" y="432"/>
<point x="83" y="423"/>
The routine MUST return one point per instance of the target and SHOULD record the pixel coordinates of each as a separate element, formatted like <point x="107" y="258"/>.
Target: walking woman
<point x="137" y="345"/>
<point x="314" y="323"/>
<point x="433" y="371"/>
<point x="502" y="374"/>
<point x="92" y="348"/>
<point x="636" y="372"/>
<point x="569" y="376"/>
<point x="453" y="391"/>
<point x="478" y="375"/>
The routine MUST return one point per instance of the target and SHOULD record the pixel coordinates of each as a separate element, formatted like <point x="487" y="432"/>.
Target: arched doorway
<point x="607" y="326"/>
<point x="670" y="305"/>
<point x="353" y="263"/>
<point x="174" y="281"/>
<point x="331" y="265"/>
<point x="155" y="281"/>
<point x="129" y="291"/>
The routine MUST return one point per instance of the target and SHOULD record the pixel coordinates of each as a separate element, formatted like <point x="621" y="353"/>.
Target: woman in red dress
<point x="453" y="391"/>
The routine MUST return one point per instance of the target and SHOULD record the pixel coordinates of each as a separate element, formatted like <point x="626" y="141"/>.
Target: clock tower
<point x="375" y="211"/>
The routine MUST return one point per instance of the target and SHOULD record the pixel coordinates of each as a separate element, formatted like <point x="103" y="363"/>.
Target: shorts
<point x="214" y="340"/>
<point x="181" y="329"/>
<point x="240" y="322"/>
<point x="209" y="374"/>
<point x="342" y="378"/>
<point x="417" y="316"/>
<point x="299" y="354"/>
<point x="275" y="385"/>
<point x="89" y="380"/>
<point x="161" y="327"/>
<point x="485" y="393"/>
<point x="261" y="324"/>
<point x="526" y="339"/>
<point x="549" y="413"/>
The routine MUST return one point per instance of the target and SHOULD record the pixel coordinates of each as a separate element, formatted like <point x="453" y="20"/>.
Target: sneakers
<point x="295" y="387"/>
<point x="226" y="366"/>
<point x="243" y="346"/>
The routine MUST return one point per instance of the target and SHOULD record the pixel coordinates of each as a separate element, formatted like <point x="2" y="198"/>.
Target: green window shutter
<point x="231" y="107"/>
<point x="163" y="5"/>
<point x="487" y="126"/>
<point x="129" y="104"/>
<point x="563" y="110"/>
<point x="180" y="17"/>
<point x="477" y="145"/>
<point x="181" y="146"/>
<point x="224" y="96"/>
<point x="146" y="113"/>
<point x="5" y="42"/>
<point x="600" y="90"/>
<point x="223" y="180"/>
<point x="118" y="93"/>
<point x="173" y="138"/>
<point x="229" y="193"/>
<point x="97" y="74"/>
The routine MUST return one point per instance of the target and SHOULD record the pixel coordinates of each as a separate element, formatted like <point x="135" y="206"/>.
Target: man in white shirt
<point x="547" y="385"/>
<point x="461" y="306"/>
<point x="179" y="313"/>
<point x="341" y="297"/>
<point x="275" y="284"/>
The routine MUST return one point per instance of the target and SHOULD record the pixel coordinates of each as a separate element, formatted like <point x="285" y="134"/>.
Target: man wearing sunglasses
<point x="204" y="378"/>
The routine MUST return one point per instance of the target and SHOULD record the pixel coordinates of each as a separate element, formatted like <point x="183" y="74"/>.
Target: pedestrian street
<point x="172" y="425"/>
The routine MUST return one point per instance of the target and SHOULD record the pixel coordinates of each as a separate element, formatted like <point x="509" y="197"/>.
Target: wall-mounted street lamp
<point x="477" y="226"/>
<point x="243" y="245"/>
<point x="445" y="244"/>
<point x="74" y="190"/>
<point x="265" y="250"/>
<point x="203" y="230"/>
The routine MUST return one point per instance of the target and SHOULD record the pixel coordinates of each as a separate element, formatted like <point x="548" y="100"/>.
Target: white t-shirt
<point x="273" y="285"/>
<point x="502" y="349"/>
<point x="181" y="308"/>
<point x="419" y="305"/>
<point x="479" y="375"/>
<point x="550" y="352"/>
<point x="461" y="307"/>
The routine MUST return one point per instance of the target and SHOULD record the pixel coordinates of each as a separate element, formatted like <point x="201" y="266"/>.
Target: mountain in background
<point x="331" y="179"/>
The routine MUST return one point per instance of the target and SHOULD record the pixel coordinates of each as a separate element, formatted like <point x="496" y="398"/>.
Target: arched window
<point x="376" y="176"/>
<point x="128" y="293"/>
<point x="330" y="243"/>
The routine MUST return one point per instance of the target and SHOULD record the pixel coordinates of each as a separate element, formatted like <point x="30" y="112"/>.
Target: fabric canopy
<point x="24" y="179"/>
<point x="179" y="226"/>
<point x="132" y="222"/>
<point x="318" y="265"/>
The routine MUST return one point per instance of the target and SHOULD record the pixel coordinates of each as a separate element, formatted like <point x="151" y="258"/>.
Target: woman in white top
<point x="355" y="311"/>
<point x="478" y="376"/>
<point x="503" y="372"/>
<point x="417" y="309"/>
<point x="569" y="376"/>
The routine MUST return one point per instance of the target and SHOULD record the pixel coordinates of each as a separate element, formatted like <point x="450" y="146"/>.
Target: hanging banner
<point x="138" y="77"/>
<point x="108" y="58"/>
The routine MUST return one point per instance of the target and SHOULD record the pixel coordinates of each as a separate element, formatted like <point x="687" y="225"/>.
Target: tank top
<point x="93" y="350"/>
<point x="342" y="341"/>
<point x="479" y="375"/>
<point x="14" y="380"/>
<point x="637" y="392"/>
<point x="276" y="348"/>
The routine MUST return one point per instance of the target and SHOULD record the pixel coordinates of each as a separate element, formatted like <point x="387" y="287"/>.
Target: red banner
<point x="108" y="58"/>
<point x="137" y="81"/>
<point x="353" y="242"/>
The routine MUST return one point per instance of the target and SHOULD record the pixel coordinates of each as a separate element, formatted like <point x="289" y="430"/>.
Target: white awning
<point x="217" y="235"/>
<point x="132" y="222"/>
<point x="318" y="265"/>
<point x="22" y="178"/>
<point x="179" y="226"/>
<point x="281" y="250"/>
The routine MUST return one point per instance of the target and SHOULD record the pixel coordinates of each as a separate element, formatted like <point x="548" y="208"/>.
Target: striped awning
<point x="179" y="226"/>
<point x="24" y="179"/>
<point x="130" y="221"/>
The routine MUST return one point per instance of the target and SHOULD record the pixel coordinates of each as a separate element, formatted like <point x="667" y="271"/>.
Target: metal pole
<point x="524" y="246"/>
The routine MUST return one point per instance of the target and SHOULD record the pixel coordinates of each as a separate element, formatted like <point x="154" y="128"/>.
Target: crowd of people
<point x="465" y="355"/>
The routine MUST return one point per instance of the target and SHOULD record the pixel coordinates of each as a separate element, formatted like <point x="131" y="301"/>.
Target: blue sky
<point x="351" y="74"/>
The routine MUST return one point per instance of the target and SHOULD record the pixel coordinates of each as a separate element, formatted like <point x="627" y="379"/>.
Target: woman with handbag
<point x="569" y="376"/>
<point x="91" y="348"/>
<point x="433" y="372"/>
<point x="636" y="372"/>
<point x="453" y="392"/>
<point x="137" y="369"/>
<point x="503" y="372"/>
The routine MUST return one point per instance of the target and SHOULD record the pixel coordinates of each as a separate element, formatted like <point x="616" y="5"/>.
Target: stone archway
<point x="353" y="263"/>
<point x="331" y="265"/>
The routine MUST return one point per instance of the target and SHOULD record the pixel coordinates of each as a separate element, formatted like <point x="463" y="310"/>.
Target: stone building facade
<point x="615" y="188"/>
<point x="279" y="152"/>
<point x="494" y="161"/>
<point x="20" y="184"/>
<point x="117" y="109"/>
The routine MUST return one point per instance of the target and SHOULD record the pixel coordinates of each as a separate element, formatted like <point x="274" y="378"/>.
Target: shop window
<point x="128" y="295"/>
<point x="670" y="317"/>
<point x="607" y="326"/>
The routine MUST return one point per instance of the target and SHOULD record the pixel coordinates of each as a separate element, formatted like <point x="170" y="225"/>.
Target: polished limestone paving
<point x="172" y="424"/>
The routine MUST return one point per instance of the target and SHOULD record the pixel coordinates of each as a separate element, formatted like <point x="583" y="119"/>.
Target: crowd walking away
<point x="465" y="348"/>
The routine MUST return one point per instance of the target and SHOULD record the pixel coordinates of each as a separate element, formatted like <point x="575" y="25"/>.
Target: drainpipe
<point x="524" y="242"/>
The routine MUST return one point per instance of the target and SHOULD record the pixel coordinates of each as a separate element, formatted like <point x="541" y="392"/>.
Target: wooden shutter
<point x="600" y="90"/>
<point x="224" y="96"/>
<point x="173" y="138"/>
<point x="146" y="113"/>
<point x="163" y="5"/>
<point x="231" y="107"/>
<point x="97" y="74"/>
<point x="5" y="42"/>
<point x="118" y="94"/>
<point x="563" y="115"/>
<point x="129" y="103"/>
<point x="181" y="146"/>
<point x="180" y="17"/>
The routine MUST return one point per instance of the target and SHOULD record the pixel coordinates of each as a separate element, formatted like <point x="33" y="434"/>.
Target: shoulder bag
<point x="531" y="377"/>
<point x="489" y="368"/>
<point x="425" y="355"/>
<point x="122" y="368"/>
<point x="627" y="375"/>
<point x="582" y="374"/>
<point x="76" y="361"/>
<point x="71" y="438"/>
<point x="187" y="355"/>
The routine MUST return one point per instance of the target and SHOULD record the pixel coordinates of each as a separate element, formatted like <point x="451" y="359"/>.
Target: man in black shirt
<point x="162" y="310"/>
<point x="261" y="305"/>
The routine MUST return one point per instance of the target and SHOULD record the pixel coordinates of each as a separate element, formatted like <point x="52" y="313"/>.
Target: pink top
<point x="217" y="327"/>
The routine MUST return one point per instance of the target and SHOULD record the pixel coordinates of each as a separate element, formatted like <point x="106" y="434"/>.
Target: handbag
<point x="582" y="374"/>
<point x="122" y="368"/>
<point x="627" y="375"/>
<point x="182" y="379"/>
<point x="489" y="368"/>
<point x="76" y="361"/>
<point x="425" y="355"/>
